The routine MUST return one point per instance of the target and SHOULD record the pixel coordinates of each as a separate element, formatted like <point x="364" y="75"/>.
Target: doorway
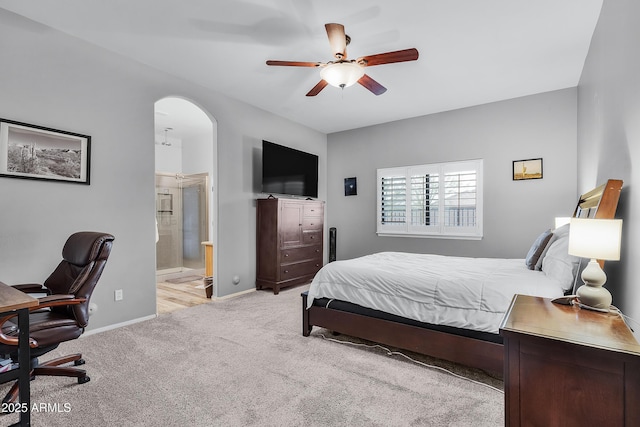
<point x="185" y="150"/>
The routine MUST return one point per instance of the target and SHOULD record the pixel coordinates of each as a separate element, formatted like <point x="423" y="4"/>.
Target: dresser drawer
<point x="312" y="223"/>
<point x="313" y="209"/>
<point x="305" y="268"/>
<point x="310" y="237"/>
<point x="300" y="254"/>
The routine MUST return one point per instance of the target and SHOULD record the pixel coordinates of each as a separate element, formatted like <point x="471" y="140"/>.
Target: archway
<point x="186" y="205"/>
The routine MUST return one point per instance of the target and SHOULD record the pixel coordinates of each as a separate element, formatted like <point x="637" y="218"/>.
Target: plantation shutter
<point x="393" y="204"/>
<point x="425" y="198"/>
<point x="434" y="200"/>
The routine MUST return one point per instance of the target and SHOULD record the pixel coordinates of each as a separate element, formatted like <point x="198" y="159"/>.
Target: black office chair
<point x="64" y="312"/>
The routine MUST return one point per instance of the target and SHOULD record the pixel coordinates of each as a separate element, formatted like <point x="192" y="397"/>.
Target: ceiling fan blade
<point x="294" y="63"/>
<point x="375" y="87"/>
<point x="389" y="57"/>
<point x="317" y="88"/>
<point x="337" y="40"/>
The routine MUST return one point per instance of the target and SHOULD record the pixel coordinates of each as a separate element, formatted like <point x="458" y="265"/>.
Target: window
<point x="434" y="200"/>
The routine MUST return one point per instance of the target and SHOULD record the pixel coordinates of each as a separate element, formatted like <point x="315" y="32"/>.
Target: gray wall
<point x="515" y="212"/>
<point x="50" y="79"/>
<point x="609" y="134"/>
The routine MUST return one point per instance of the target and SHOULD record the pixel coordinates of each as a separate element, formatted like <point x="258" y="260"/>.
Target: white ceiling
<point x="471" y="51"/>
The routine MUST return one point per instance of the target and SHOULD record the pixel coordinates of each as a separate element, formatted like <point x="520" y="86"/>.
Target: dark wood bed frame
<point x="600" y="202"/>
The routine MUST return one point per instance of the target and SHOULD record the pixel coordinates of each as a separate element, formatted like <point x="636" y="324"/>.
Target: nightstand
<point x="565" y="366"/>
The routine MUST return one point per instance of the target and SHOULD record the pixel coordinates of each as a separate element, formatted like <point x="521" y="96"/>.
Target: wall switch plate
<point x="118" y="295"/>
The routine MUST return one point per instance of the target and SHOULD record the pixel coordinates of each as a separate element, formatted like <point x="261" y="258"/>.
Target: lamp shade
<point x="342" y="74"/>
<point x="595" y="238"/>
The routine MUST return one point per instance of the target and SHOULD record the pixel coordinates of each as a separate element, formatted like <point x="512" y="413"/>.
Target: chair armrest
<point x="44" y="302"/>
<point x="32" y="288"/>
<point x="57" y="300"/>
<point x="5" y="339"/>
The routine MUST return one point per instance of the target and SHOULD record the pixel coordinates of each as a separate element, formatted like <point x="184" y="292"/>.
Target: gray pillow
<point x="536" y="249"/>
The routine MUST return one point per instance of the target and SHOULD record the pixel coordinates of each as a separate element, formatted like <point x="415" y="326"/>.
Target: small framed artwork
<point x="527" y="169"/>
<point x="36" y="152"/>
<point x="350" y="187"/>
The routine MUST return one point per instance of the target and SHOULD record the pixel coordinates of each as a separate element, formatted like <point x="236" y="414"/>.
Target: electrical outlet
<point x="118" y="295"/>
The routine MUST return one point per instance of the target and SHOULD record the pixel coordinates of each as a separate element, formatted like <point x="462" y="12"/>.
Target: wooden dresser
<point x="566" y="366"/>
<point x="289" y="242"/>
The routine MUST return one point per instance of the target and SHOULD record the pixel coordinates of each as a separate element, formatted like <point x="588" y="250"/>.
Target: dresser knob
<point x="286" y="255"/>
<point x="286" y="271"/>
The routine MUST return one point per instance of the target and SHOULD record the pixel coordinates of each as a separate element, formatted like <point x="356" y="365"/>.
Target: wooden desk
<point x="15" y="301"/>
<point x="565" y="366"/>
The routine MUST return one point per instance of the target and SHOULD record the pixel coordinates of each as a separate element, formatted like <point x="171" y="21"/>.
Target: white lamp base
<point x="592" y="293"/>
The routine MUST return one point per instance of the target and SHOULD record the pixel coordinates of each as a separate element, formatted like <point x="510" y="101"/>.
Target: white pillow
<point x="556" y="261"/>
<point x="555" y="234"/>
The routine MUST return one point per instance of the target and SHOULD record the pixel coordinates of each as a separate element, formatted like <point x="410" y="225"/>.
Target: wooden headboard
<point x="601" y="202"/>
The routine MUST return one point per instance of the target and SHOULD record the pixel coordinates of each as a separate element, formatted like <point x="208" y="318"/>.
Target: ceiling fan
<point x="344" y="73"/>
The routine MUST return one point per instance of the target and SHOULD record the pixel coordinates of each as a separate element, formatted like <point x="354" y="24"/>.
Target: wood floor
<point x="176" y="296"/>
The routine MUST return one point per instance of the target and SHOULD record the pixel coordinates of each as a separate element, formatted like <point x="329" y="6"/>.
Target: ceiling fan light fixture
<point x="342" y="74"/>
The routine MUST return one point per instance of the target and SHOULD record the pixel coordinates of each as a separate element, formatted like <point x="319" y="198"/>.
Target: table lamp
<point x="596" y="239"/>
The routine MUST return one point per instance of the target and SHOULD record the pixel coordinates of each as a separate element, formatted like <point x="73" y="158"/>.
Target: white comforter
<point x="468" y="293"/>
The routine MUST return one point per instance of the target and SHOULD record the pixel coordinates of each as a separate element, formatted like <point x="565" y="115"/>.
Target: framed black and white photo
<point x="350" y="187"/>
<point x="527" y="169"/>
<point x="35" y="152"/>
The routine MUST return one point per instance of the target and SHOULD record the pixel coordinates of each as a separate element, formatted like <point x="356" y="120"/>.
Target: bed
<point x="441" y="306"/>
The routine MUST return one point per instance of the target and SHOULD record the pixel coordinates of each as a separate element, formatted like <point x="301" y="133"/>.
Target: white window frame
<point x="439" y="230"/>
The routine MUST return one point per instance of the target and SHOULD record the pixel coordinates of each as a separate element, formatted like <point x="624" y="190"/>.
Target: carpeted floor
<point x="244" y="362"/>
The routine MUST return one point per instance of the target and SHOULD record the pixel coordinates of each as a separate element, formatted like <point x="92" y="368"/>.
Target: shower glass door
<point x="182" y="215"/>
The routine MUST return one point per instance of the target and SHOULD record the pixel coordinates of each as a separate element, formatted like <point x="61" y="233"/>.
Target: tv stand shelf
<point x="289" y="242"/>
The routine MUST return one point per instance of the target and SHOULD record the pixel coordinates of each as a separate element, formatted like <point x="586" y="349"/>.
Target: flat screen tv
<point x="288" y="171"/>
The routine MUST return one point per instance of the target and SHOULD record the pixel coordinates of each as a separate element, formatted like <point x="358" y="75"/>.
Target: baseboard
<point x="237" y="294"/>
<point x="153" y="316"/>
<point x="118" y="325"/>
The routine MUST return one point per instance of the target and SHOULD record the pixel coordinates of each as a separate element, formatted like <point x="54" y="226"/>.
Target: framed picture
<point x="350" y="187"/>
<point x="36" y="152"/>
<point x="527" y="169"/>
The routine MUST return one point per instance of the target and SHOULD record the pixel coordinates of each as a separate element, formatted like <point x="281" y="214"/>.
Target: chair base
<point x="53" y="368"/>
